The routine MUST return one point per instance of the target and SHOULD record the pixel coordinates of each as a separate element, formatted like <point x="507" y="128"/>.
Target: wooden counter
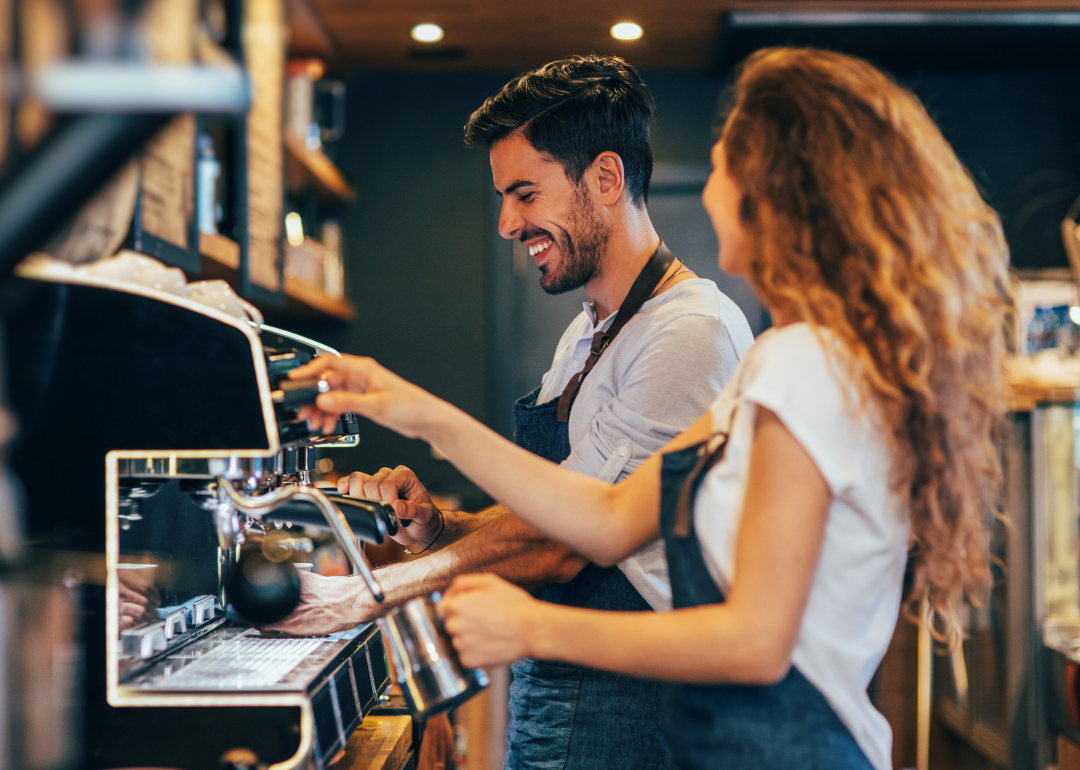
<point x="380" y="743"/>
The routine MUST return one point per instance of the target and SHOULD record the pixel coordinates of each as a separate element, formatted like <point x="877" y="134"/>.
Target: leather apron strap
<point x="644" y="285"/>
<point x="707" y="458"/>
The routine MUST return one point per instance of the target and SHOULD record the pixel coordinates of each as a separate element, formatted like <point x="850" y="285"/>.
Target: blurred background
<point x="310" y="154"/>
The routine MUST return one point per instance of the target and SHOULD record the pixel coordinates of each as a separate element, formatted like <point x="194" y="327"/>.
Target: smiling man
<point x="570" y="158"/>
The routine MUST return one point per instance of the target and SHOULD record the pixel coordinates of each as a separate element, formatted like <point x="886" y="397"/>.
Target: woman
<point x="857" y="427"/>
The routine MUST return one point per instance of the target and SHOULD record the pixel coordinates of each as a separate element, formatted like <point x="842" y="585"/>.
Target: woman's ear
<point x="610" y="176"/>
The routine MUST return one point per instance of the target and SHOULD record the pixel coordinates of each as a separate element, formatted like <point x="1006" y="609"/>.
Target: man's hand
<point x="421" y="522"/>
<point x="327" y="605"/>
<point x="491" y="621"/>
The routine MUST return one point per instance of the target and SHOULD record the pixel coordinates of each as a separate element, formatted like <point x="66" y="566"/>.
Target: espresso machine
<point x="159" y="445"/>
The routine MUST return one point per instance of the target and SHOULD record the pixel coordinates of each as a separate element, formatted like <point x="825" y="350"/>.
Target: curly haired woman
<point x="857" y="428"/>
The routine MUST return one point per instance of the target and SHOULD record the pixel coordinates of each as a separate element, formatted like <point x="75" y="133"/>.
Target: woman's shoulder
<point x="794" y="350"/>
<point x="786" y="366"/>
<point x="801" y="374"/>
<point x="792" y="335"/>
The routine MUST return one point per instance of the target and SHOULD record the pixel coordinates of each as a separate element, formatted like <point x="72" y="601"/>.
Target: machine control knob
<point x="202" y="610"/>
<point x="279" y="362"/>
<point x="175" y="623"/>
<point x="293" y="394"/>
<point x="144" y="642"/>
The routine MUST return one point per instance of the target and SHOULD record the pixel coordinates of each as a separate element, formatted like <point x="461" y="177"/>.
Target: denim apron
<point x="785" y="726"/>
<point x="569" y="717"/>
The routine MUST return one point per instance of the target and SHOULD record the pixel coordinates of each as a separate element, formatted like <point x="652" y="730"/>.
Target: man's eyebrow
<point x="518" y="184"/>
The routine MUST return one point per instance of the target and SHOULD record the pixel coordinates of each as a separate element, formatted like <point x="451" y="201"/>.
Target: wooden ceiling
<point x="489" y="34"/>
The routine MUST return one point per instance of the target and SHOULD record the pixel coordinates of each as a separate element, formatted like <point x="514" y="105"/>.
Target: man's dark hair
<point x="573" y="110"/>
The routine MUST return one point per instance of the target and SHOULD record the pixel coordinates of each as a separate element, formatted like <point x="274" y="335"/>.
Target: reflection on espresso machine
<point x="164" y="434"/>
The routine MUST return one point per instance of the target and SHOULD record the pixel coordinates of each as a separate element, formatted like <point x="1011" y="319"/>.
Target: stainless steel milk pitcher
<point x="426" y="665"/>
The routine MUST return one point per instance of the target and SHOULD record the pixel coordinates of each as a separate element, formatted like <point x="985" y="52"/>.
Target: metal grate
<point x="242" y="664"/>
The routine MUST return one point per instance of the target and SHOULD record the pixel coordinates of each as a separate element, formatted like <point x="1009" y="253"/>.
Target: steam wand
<point x="257" y="506"/>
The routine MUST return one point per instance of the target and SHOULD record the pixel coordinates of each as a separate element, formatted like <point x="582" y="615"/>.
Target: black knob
<point x="370" y="520"/>
<point x="379" y="523"/>
<point x="263" y="591"/>
<point x="293" y="394"/>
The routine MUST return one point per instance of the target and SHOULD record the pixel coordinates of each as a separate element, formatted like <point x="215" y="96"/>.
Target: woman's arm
<point x="599" y="521"/>
<point x="748" y="639"/>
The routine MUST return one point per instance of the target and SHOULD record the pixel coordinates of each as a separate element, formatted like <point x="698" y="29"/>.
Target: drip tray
<point x="237" y="658"/>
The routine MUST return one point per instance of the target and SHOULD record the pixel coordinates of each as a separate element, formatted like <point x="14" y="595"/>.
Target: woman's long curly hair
<point x="867" y="224"/>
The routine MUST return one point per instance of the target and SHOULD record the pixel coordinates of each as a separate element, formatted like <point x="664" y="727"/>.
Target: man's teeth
<point x="534" y="250"/>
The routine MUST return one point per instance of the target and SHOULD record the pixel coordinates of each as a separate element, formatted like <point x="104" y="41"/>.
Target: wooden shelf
<point x="254" y="180"/>
<point x="307" y="35"/>
<point x="1029" y="386"/>
<point x="224" y="251"/>
<point x="1025" y="396"/>
<point x="304" y="167"/>
<point x="302" y="298"/>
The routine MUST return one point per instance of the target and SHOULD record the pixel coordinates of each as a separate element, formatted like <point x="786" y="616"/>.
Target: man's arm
<point x="505" y="546"/>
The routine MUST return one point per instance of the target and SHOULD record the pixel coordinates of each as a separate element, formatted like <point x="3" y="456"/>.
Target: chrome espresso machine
<point x="158" y="441"/>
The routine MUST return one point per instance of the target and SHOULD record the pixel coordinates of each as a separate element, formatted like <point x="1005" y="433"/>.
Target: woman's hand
<point x="491" y="621"/>
<point x="360" y="385"/>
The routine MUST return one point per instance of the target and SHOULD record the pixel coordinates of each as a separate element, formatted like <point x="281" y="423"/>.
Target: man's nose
<point x="511" y="223"/>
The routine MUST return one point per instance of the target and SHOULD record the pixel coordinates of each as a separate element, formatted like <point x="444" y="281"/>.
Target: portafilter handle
<point x="293" y="394"/>
<point x="258" y="505"/>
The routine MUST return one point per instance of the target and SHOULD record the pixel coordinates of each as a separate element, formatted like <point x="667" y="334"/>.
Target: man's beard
<point x="581" y="254"/>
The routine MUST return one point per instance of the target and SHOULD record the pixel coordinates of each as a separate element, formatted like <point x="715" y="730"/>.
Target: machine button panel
<point x="175" y="624"/>
<point x="144" y="642"/>
<point x="202" y="610"/>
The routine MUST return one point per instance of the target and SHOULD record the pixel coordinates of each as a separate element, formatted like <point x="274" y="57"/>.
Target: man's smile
<point x="539" y="247"/>
<point x="537" y="241"/>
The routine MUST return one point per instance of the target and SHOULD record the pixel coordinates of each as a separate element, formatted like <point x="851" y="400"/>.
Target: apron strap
<point x="644" y="285"/>
<point x="706" y="459"/>
<point x="710" y="453"/>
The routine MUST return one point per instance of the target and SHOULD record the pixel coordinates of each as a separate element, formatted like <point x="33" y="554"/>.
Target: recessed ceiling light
<point x="626" y="30"/>
<point x="427" y="33"/>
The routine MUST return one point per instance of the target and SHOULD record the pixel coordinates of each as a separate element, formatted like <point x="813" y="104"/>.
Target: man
<point x="570" y="157"/>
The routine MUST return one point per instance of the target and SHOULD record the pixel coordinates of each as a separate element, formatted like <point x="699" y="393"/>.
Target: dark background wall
<point x="414" y="244"/>
<point x="1018" y="133"/>
<point x="431" y="278"/>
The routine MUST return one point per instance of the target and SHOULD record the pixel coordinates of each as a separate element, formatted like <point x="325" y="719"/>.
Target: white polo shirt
<point x="657" y="377"/>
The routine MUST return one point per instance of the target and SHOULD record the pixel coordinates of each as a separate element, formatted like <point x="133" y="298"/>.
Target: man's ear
<point x="610" y="176"/>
